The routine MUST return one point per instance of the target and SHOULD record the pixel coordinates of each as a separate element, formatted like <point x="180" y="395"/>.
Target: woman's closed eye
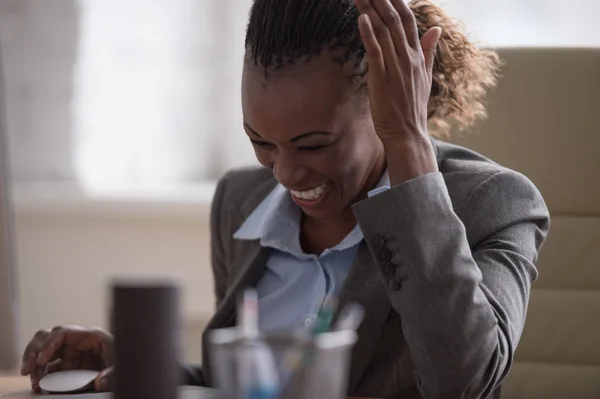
<point x="307" y="148"/>
<point x="312" y="148"/>
<point x="260" y="143"/>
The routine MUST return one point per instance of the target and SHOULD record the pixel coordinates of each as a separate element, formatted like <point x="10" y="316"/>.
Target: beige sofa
<point x="544" y="122"/>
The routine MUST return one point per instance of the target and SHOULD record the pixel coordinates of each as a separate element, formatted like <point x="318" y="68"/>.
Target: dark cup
<point x="145" y="322"/>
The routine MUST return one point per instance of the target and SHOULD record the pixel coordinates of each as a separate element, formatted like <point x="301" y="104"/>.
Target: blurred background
<point x="121" y="115"/>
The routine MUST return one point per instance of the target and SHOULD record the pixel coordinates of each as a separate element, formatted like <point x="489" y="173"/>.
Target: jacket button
<point x="384" y="255"/>
<point x="388" y="269"/>
<point x="378" y="242"/>
<point x="395" y="284"/>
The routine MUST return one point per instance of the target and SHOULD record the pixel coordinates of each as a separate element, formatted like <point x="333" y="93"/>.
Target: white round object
<point x="68" y="381"/>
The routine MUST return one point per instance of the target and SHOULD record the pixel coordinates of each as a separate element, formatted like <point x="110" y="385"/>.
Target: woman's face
<point x="315" y="134"/>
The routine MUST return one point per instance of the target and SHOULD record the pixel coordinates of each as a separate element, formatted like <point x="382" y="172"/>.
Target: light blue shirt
<point x="295" y="283"/>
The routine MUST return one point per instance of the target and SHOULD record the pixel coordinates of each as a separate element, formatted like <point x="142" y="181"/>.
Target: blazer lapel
<point x="366" y="287"/>
<point x="254" y="258"/>
<point x="225" y="314"/>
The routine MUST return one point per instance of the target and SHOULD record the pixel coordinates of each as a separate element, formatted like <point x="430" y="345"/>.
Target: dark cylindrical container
<point x="145" y="317"/>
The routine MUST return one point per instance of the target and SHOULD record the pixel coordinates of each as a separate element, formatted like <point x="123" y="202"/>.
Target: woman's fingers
<point x="380" y="32"/>
<point x="408" y="22"/>
<point x="392" y="20"/>
<point x="66" y="348"/>
<point x="374" y="53"/>
<point x="38" y="356"/>
<point x="31" y="353"/>
<point x="35" y="376"/>
<point x="58" y="365"/>
<point x="103" y="382"/>
<point x="52" y="347"/>
<point x="428" y="45"/>
<point x="400" y="22"/>
<point x="29" y="362"/>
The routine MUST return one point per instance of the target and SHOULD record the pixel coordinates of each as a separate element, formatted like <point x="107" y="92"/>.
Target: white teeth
<point x="312" y="194"/>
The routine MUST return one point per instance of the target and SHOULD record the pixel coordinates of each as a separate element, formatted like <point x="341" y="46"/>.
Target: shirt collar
<point x="264" y="215"/>
<point x="276" y="221"/>
<point x="382" y="185"/>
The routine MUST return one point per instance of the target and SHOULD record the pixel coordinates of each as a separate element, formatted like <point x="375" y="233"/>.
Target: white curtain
<point x="124" y="94"/>
<point x="157" y="93"/>
<point x="135" y="94"/>
<point x="38" y="51"/>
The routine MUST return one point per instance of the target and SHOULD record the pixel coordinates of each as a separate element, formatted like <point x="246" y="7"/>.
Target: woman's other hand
<point x="69" y="348"/>
<point x="399" y="84"/>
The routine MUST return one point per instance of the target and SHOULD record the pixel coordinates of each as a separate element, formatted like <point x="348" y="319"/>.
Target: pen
<point x="257" y="372"/>
<point x="350" y="317"/>
<point x="325" y="315"/>
<point x="297" y="359"/>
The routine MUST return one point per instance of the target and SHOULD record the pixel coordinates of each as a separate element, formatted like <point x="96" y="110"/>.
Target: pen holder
<point x="309" y="367"/>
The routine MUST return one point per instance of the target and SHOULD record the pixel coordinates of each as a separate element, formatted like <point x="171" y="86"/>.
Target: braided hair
<point x="284" y="33"/>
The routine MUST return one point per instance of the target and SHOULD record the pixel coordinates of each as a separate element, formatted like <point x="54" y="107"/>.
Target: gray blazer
<point x="445" y="319"/>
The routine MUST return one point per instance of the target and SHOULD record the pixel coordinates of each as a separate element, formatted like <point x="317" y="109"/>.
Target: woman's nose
<point x="289" y="173"/>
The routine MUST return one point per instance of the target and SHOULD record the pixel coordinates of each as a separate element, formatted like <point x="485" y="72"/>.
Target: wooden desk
<point x="16" y="388"/>
<point x="19" y="388"/>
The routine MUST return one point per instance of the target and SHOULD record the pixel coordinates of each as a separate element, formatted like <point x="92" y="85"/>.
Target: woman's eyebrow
<point x="247" y="126"/>
<point x="298" y="137"/>
<point x="308" y="134"/>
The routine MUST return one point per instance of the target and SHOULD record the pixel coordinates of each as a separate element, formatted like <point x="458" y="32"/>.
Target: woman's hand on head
<point x="400" y="67"/>
<point x="399" y="84"/>
<point x="69" y="348"/>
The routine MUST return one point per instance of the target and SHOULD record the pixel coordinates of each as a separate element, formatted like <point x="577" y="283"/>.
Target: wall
<point x="38" y="45"/>
<point x="71" y="245"/>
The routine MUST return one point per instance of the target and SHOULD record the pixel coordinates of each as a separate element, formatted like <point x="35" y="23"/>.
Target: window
<point x="531" y="23"/>
<point x="131" y="94"/>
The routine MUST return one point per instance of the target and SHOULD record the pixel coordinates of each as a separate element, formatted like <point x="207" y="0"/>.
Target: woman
<point x="356" y="200"/>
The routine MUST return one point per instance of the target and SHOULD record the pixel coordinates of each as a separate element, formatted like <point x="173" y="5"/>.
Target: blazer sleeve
<point x="219" y="267"/>
<point x="461" y="284"/>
